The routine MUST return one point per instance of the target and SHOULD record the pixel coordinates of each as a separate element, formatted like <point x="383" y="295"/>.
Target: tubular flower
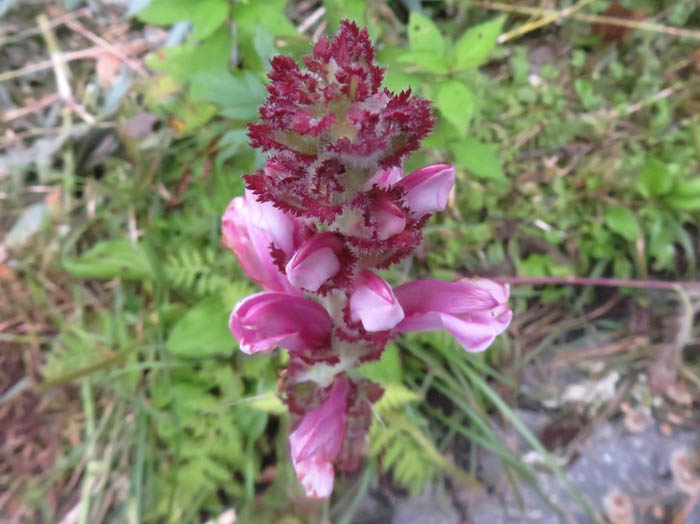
<point x="330" y="209"/>
<point x="266" y="320"/>
<point x="428" y="188"/>
<point x="317" y="260"/>
<point x="317" y="441"/>
<point x="374" y="304"/>
<point x="253" y="230"/>
<point x="472" y="311"/>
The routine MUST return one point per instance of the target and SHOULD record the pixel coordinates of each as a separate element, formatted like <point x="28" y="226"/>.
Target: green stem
<point x="90" y="466"/>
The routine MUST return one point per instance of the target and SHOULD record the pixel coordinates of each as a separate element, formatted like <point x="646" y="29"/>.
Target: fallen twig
<point x="109" y="48"/>
<point x="52" y="23"/>
<point x="61" y="71"/>
<point x="600" y="282"/>
<point x="547" y="18"/>
<point x="30" y="106"/>
<point x="90" y="52"/>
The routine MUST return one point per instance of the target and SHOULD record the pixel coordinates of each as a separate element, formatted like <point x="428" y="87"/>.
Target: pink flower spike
<point x="265" y="320"/>
<point x="472" y="311"/>
<point x="374" y="304"/>
<point x="250" y="228"/>
<point x="315" y="261"/>
<point x="428" y="188"/>
<point x="389" y="218"/>
<point x="317" y="441"/>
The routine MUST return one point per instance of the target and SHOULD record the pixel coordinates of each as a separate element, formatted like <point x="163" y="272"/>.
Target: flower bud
<point x="374" y="304"/>
<point x="428" y="188"/>
<point x="315" y="261"/>
<point x="389" y="218"/>
<point x="263" y="321"/>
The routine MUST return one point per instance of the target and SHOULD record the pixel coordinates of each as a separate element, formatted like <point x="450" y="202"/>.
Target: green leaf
<point x="661" y="243"/>
<point x="472" y="49"/>
<point x="191" y="115"/>
<point x="688" y="189"/>
<point x="479" y="159"/>
<point x="622" y="221"/>
<point x="654" y="178"/>
<point x="684" y="203"/>
<point x="686" y="196"/>
<point x="426" y="60"/>
<point x="264" y="44"/>
<point x="424" y="36"/>
<point x="538" y="265"/>
<point x="396" y="80"/>
<point x="110" y="259"/>
<point x="203" y="331"/>
<point x="230" y="143"/>
<point x="269" y="403"/>
<point x="456" y="103"/>
<point x="184" y="61"/>
<point x="248" y="14"/>
<point x="238" y="96"/>
<point x="206" y="15"/>
<point x="386" y="370"/>
<point x="337" y="10"/>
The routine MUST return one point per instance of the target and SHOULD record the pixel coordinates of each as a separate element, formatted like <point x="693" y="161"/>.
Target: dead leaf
<point x="612" y="33"/>
<point x="107" y="68"/>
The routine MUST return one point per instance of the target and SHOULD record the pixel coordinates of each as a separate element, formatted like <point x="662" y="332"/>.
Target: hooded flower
<point x="266" y="320"/>
<point x="428" y="188"/>
<point x="252" y="229"/>
<point x="373" y="303"/>
<point x="317" y="260"/>
<point x="472" y="311"/>
<point x="317" y="441"/>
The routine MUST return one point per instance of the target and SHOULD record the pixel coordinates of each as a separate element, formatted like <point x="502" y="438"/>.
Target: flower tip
<point x="374" y="304"/>
<point x="315" y="261"/>
<point x="316" y="477"/>
<point x="428" y="189"/>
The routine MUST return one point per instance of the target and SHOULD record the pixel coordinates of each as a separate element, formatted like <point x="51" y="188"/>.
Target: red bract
<point x="331" y="208"/>
<point x="330" y="126"/>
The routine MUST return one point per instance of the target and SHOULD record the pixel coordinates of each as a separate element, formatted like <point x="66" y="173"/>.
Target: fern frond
<point x="395" y="396"/>
<point x="411" y="466"/>
<point x="195" y="271"/>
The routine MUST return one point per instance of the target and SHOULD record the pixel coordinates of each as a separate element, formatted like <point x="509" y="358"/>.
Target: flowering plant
<point x="330" y="208"/>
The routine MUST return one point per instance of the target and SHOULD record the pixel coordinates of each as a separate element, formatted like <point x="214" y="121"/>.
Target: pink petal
<point x="316" y="477"/>
<point x="317" y="441"/>
<point x="428" y="188"/>
<point x="281" y="228"/>
<point x="374" y="304"/>
<point x="476" y="332"/>
<point x="385" y="178"/>
<point x="250" y="228"/>
<point x="315" y="262"/>
<point x="389" y="218"/>
<point x="473" y="311"/>
<point x="322" y="430"/>
<point x="422" y="296"/>
<point x="267" y="319"/>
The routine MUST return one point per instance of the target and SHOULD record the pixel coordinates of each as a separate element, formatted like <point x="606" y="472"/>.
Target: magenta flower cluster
<point x="332" y="207"/>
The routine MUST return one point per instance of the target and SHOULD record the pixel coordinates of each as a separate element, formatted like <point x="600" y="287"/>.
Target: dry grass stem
<point x="593" y="19"/>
